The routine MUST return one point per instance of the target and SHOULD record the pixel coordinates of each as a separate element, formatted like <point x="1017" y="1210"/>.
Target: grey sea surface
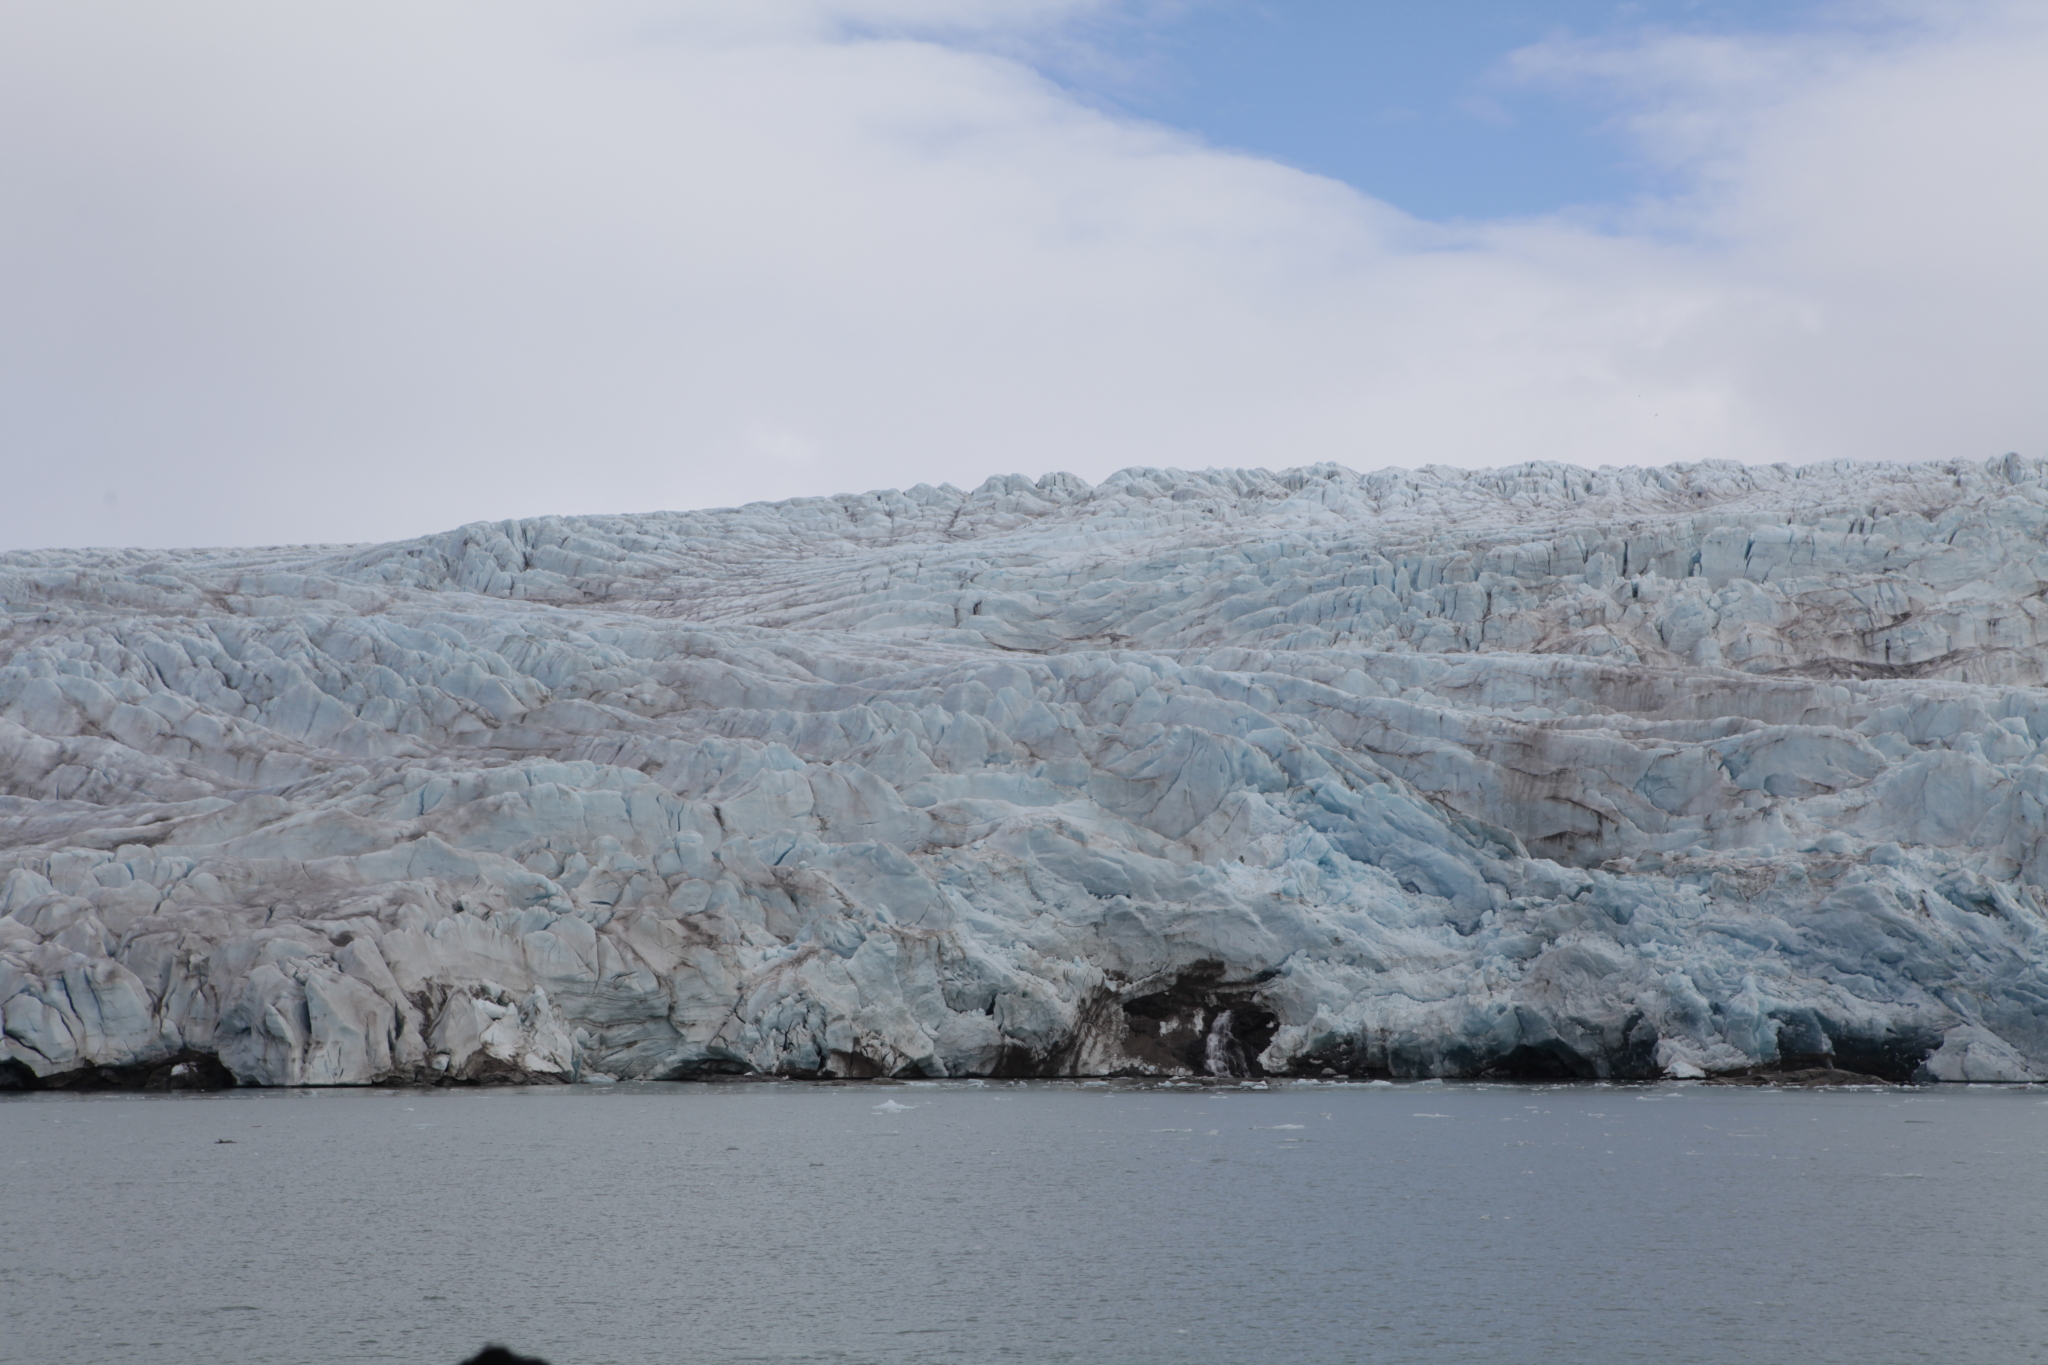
<point x="962" y="1222"/>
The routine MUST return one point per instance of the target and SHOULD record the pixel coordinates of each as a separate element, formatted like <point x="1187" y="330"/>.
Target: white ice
<point x="1624" y="773"/>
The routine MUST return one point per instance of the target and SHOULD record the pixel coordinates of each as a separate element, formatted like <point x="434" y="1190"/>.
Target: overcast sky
<point x="285" y="271"/>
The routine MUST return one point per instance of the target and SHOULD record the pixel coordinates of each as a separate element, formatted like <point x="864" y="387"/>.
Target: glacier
<point x="1530" y="772"/>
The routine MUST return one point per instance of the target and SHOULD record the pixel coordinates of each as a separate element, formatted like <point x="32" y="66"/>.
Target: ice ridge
<point x="1536" y="771"/>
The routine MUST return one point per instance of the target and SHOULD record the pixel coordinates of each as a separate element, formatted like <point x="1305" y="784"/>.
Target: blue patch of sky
<point x="1403" y="99"/>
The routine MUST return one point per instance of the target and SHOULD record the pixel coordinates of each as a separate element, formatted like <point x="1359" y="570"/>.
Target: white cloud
<point x="1891" y="185"/>
<point x="296" y="271"/>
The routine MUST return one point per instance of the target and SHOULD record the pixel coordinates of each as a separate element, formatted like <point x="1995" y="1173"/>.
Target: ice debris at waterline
<point x="1532" y="772"/>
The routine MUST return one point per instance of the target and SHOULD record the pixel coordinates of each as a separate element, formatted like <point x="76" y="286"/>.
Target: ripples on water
<point x="962" y="1222"/>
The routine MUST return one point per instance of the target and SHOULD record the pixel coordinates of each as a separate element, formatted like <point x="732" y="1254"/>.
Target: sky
<point x="279" y="271"/>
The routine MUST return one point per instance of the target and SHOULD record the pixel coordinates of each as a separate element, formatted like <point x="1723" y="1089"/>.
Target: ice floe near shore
<point x="1536" y="771"/>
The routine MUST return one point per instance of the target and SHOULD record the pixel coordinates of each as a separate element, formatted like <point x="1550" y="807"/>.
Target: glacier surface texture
<point x="1531" y="772"/>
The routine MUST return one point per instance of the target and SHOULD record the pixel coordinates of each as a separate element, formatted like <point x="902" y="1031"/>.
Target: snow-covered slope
<point x="1536" y="771"/>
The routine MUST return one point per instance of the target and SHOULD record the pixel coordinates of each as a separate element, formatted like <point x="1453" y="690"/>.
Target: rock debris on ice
<point x="1537" y="771"/>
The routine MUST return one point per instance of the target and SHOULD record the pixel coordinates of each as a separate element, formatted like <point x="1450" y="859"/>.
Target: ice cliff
<point x="1536" y="771"/>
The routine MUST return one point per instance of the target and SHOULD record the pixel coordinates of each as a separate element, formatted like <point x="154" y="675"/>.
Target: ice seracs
<point x="1536" y="771"/>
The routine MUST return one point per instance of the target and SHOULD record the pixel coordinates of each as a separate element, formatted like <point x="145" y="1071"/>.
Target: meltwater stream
<point x="961" y="1222"/>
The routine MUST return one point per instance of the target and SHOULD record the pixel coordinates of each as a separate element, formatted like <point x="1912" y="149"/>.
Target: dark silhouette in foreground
<point x="498" y="1355"/>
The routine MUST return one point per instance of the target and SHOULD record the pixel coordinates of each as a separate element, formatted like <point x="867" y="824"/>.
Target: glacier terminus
<point x="1531" y="772"/>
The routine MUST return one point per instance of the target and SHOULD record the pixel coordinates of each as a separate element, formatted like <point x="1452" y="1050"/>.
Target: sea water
<point x="963" y="1222"/>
